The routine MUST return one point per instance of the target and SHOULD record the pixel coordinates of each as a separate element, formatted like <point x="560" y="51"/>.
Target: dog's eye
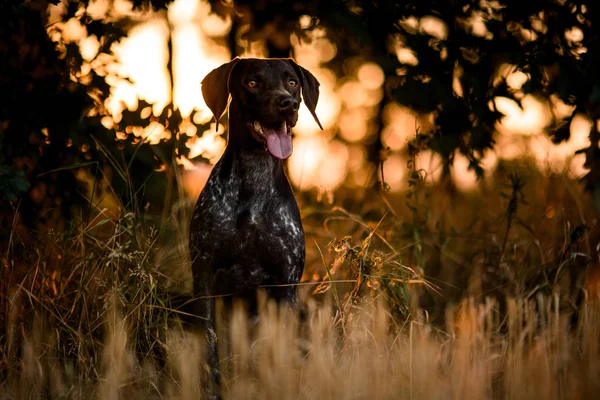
<point x="293" y="83"/>
<point x="252" y="83"/>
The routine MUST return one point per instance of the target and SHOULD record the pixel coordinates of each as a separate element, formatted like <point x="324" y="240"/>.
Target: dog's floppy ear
<point x="310" y="90"/>
<point x="215" y="89"/>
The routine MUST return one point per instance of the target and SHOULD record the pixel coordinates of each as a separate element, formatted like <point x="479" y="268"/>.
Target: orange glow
<point x="314" y="155"/>
<point x="194" y="176"/>
<point x="529" y="120"/>
<point x="428" y="25"/>
<point x="410" y="24"/>
<point x="353" y="125"/>
<point x="400" y="128"/>
<point x="574" y="35"/>
<point x="123" y="96"/>
<point x="370" y="75"/>
<point x="311" y="55"/>
<point x="73" y="31"/>
<point x="592" y="282"/>
<point x="489" y="161"/>
<point x="401" y="125"/>
<point x="394" y="173"/>
<point x="353" y="94"/>
<point x="107" y="122"/>
<point x="433" y="26"/>
<point x="464" y="178"/>
<point x="549" y="156"/>
<point x="509" y="147"/>
<point x="374" y="97"/>
<point x="137" y="70"/>
<point x="143" y="59"/>
<point x="98" y="9"/>
<point x="328" y="107"/>
<point x="502" y="72"/>
<point x="314" y="151"/>
<point x="477" y="26"/>
<point x="517" y="79"/>
<point x="360" y="171"/>
<point x="427" y="162"/>
<point x="580" y="130"/>
<point x="432" y="164"/>
<point x="209" y="145"/>
<point x="194" y="53"/>
<point x="456" y="83"/>
<point x="560" y="109"/>
<point x="186" y="127"/>
<point x="143" y="55"/>
<point x="89" y="47"/>
<point x="406" y="55"/>
<point x="153" y="133"/>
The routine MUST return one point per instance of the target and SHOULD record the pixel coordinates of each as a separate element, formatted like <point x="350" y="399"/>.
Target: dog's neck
<point x="246" y="155"/>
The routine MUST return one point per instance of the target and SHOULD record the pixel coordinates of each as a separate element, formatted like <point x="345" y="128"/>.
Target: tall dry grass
<point x="427" y="294"/>
<point x="537" y="354"/>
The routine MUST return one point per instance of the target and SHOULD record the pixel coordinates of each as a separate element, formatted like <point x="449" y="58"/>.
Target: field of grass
<point x="428" y="293"/>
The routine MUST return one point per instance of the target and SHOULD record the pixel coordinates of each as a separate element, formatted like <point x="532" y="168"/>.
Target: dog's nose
<point x="287" y="104"/>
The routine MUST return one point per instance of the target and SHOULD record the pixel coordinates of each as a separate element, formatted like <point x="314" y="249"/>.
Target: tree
<point x="42" y="117"/>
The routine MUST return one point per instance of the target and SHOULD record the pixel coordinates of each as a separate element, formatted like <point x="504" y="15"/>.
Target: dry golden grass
<point x="538" y="356"/>
<point x="484" y="295"/>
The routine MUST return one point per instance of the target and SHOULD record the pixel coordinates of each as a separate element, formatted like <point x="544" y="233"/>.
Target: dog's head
<point x="267" y="92"/>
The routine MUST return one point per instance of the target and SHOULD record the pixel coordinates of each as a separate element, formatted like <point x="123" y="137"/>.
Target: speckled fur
<point x="246" y="229"/>
<point x="246" y="226"/>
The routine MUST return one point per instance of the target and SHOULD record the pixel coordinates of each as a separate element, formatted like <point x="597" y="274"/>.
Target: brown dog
<point x="246" y="229"/>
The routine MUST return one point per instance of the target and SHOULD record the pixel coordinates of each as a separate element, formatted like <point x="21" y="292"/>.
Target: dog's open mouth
<point x="278" y="139"/>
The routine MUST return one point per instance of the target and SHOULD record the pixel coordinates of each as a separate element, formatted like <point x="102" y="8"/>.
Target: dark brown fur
<point x="246" y="229"/>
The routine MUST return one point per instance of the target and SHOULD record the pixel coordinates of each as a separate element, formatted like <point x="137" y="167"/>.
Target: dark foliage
<point x="42" y="124"/>
<point x="44" y="127"/>
<point x="465" y="123"/>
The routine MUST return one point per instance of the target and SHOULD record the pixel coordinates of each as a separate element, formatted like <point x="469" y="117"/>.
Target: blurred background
<point x="463" y="133"/>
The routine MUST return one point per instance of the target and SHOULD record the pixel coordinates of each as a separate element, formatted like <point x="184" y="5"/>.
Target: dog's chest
<point x="248" y="215"/>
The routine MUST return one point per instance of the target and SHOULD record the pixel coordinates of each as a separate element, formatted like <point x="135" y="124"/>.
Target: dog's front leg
<point x="204" y="308"/>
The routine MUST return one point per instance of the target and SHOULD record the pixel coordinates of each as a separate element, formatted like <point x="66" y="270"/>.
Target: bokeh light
<point x="192" y="36"/>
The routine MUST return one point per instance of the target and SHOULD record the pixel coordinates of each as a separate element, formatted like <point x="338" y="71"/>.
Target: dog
<point x="245" y="230"/>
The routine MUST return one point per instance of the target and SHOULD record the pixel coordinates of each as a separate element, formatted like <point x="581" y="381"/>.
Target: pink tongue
<point x="279" y="142"/>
